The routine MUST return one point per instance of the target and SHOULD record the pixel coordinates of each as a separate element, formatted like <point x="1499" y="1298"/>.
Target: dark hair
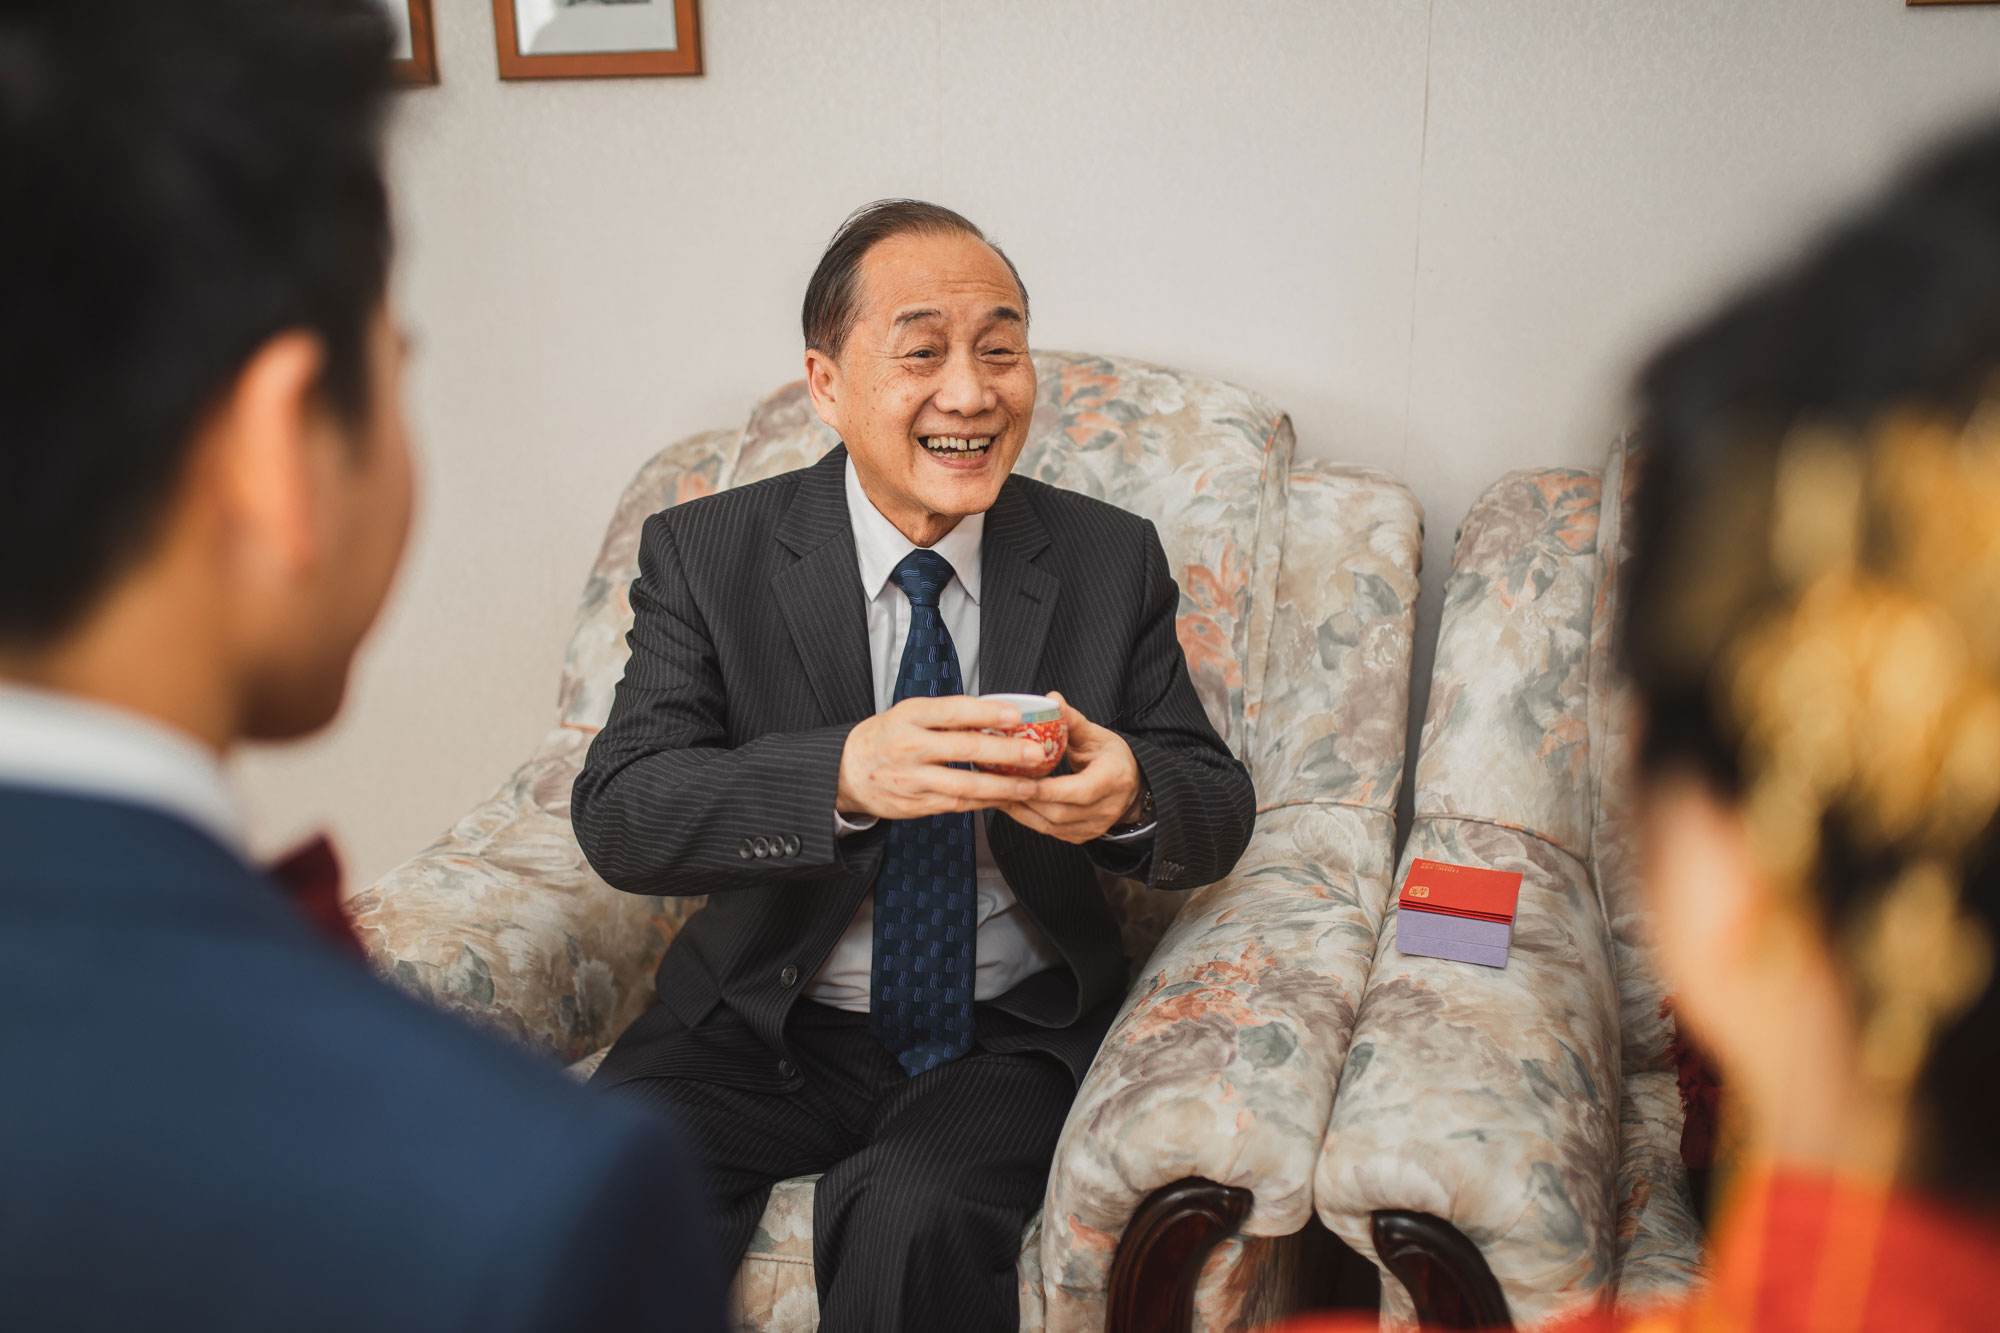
<point x="184" y="181"/>
<point x="1898" y="309"/>
<point x="834" y="292"/>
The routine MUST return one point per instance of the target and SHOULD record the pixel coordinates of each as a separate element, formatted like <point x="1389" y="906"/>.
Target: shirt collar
<point x="879" y="547"/>
<point x="59" y="741"/>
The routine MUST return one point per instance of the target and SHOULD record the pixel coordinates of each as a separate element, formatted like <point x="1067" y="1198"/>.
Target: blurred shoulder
<point x="330" y="1126"/>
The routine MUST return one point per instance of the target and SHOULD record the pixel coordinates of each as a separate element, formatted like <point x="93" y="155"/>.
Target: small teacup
<point x="1041" y="720"/>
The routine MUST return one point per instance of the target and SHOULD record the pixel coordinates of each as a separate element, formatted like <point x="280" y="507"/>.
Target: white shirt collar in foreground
<point x="64" y="743"/>
<point x="880" y="547"/>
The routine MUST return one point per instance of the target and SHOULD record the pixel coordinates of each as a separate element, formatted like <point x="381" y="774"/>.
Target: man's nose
<point x="964" y="391"/>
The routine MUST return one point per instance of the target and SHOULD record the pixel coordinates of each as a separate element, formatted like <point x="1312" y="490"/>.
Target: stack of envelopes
<point x="1457" y="912"/>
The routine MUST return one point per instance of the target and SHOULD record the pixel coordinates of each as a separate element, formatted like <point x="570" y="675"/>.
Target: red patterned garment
<point x="1804" y="1253"/>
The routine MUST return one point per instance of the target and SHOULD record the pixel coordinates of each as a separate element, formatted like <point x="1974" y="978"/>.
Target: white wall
<point x="1439" y="232"/>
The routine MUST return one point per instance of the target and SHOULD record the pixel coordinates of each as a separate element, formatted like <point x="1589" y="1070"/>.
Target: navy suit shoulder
<point x="215" y="1121"/>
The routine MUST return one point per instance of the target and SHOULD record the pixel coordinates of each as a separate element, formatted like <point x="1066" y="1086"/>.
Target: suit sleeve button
<point x="791" y="846"/>
<point x="785" y="1069"/>
<point x="788" y="977"/>
<point x="743" y="849"/>
<point x="760" y="848"/>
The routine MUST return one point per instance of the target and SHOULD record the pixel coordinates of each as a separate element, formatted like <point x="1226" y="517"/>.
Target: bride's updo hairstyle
<point x="1813" y="618"/>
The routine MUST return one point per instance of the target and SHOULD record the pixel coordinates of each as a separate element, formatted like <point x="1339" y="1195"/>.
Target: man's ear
<point x="824" y="383"/>
<point x="263" y="434"/>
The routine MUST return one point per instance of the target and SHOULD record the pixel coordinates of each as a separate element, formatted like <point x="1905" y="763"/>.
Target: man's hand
<point x="894" y="764"/>
<point x="1102" y="789"/>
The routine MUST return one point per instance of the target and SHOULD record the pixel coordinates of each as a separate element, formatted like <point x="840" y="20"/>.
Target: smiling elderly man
<point x="905" y="964"/>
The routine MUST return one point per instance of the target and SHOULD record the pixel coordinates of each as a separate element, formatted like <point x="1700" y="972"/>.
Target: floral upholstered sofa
<point x="1193" y="1139"/>
<point x="1534" y="1108"/>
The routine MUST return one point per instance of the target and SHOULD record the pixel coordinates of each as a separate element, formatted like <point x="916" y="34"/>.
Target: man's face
<point x="933" y="391"/>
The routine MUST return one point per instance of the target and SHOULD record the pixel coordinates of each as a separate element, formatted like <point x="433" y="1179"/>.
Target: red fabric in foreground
<point x="1795" y="1257"/>
<point x="310" y="875"/>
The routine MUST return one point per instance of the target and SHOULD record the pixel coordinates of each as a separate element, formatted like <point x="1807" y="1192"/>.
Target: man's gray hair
<point x="834" y="292"/>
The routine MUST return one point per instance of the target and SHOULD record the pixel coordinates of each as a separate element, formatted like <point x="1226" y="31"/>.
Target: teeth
<point x="959" y="444"/>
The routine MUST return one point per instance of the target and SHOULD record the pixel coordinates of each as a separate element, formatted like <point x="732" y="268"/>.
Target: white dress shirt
<point x="59" y="742"/>
<point x="1008" y="946"/>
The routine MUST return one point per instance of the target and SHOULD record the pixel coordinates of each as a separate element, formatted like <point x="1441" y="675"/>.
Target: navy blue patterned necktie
<point x="921" y="975"/>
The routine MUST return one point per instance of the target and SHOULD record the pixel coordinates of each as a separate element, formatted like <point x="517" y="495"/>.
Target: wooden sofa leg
<point x="1443" y="1271"/>
<point x="1162" y="1252"/>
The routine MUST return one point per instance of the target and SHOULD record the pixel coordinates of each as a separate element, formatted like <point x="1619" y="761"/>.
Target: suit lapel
<point x="820" y="595"/>
<point x="1017" y="602"/>
<point x="1018" y="597"/>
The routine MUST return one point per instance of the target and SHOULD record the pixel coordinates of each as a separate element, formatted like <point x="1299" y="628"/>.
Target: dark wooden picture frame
<point x="421" y="68"/>
<point x="684" y="59"/>
<point x="1914" y="3"/>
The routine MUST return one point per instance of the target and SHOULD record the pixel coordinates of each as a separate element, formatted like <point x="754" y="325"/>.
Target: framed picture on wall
<point x="594" y="39"/>
<point x="414" y="56"/>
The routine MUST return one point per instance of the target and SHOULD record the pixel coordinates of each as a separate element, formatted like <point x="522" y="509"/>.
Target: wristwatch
<point x="1132" y="826"/>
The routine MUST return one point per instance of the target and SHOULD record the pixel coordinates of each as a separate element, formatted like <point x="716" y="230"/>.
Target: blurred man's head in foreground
<point x="1814" y="625"/>
<point x="204" y="481"/>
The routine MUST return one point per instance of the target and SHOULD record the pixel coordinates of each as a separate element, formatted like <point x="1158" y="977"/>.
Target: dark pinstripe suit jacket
<point x="717" y="769"/>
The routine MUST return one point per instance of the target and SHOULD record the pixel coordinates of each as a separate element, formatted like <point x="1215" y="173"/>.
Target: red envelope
<point x="1465" y="891"/>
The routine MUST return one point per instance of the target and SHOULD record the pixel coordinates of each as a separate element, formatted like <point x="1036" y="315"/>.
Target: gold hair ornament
<point x="1872" y="693"/>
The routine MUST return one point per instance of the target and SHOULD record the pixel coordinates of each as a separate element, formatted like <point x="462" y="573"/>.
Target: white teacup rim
<point x="1033" y="707"/>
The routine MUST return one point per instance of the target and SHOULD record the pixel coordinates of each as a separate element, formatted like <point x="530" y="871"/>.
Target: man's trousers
<point x="927" y="1181"/>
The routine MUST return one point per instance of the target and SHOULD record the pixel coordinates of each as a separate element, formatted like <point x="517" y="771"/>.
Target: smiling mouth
<point x="956" y="446"/>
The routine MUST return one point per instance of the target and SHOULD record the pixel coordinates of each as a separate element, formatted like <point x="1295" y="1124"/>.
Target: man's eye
<point x="924" y="352"/>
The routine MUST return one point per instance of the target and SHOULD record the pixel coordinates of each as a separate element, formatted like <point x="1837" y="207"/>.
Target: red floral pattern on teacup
<point x="1054" y="736"/>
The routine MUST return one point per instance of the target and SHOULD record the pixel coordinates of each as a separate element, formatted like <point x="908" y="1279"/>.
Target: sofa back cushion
<point x="1506" y="736"/>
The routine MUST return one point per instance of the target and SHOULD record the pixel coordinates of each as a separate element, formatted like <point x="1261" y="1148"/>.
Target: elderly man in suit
<point x="211" y="1115"/>
<point x="905" y="963"/>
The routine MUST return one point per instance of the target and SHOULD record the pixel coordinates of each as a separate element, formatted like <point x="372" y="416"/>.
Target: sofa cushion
<point x="1506" y="733"/>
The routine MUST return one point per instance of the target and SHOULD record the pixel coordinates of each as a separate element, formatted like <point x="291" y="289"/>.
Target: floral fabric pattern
<point x="775" y="1291"/>
<point x="1297" y="584"/>
<point x="597" y="651"/>
<point x="1506" y="735"/>
<point x="1532" y="1106"/>
<point x="502" y="919"/>
<point x="1489" y="1096"/>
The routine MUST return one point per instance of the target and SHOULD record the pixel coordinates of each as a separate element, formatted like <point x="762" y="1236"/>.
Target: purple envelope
<point x="1462" y="939"/>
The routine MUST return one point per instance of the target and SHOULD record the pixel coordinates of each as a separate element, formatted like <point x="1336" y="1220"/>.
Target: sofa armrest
<point x="1223" y="1063"/>
<point x="1491" y="1097"/>
<point x="1659" y="1237"/>
<point x="1221" y="1070"/>
<point x="502" y="920"/>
